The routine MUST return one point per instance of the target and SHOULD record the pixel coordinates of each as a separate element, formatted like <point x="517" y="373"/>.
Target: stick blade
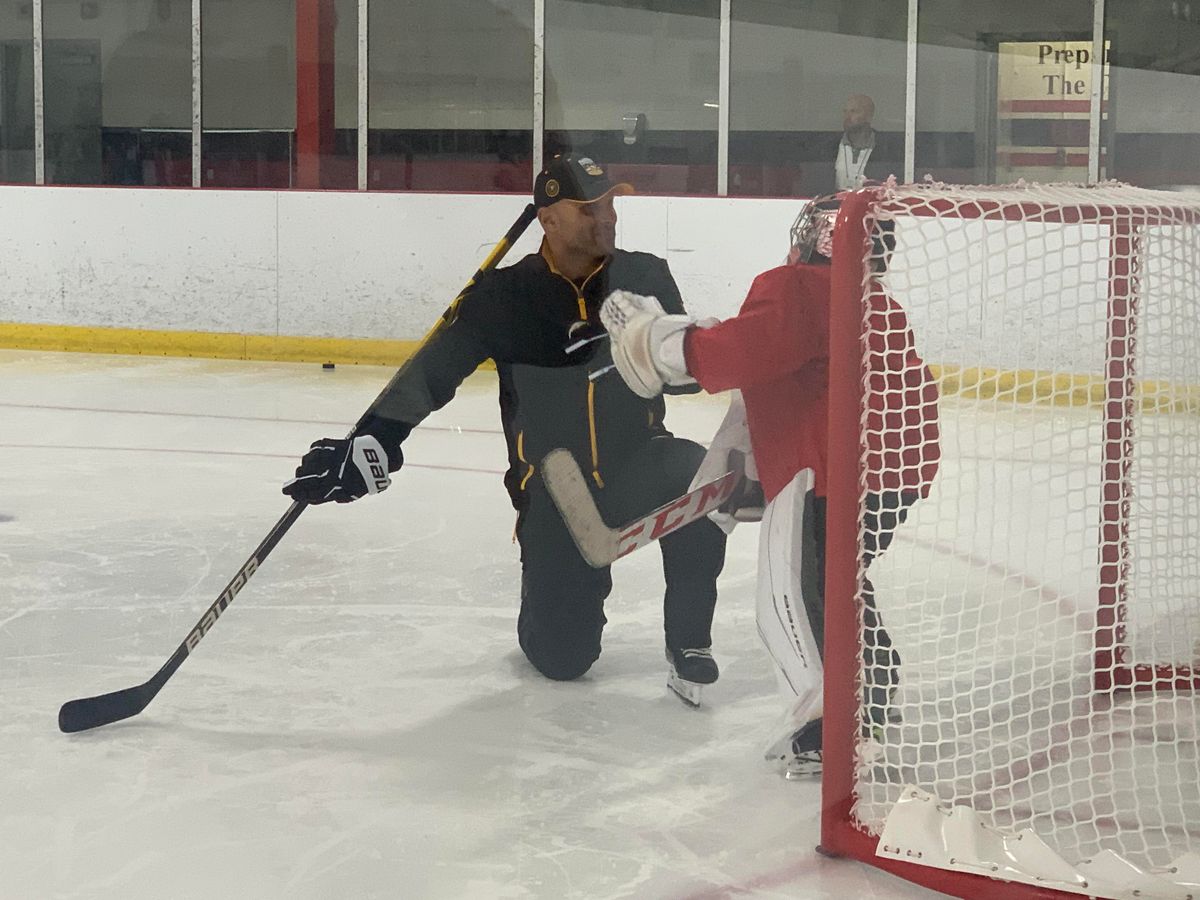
<point x="568" y="488"/>
<point x="92" y="712"/>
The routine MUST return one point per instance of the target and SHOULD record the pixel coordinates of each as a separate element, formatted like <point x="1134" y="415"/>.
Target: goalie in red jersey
<point x="775" y="355"/>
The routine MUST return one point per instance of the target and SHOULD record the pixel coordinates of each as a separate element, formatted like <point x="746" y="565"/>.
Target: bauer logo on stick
<point x="214" y="611"/>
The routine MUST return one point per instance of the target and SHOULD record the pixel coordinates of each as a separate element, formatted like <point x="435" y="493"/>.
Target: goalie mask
<point x="812" y="232"/>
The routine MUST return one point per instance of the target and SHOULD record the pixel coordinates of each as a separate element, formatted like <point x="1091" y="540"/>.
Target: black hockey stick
<point x="90" y="712"/>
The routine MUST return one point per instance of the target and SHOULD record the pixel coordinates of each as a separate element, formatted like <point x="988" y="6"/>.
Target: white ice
<point x="360" y="723"/>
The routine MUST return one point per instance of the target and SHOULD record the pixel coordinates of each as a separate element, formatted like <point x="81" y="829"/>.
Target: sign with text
<point x="1044" y="102"/>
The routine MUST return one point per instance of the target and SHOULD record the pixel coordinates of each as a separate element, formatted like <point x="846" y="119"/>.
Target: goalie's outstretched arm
<point x="767" y="340"/>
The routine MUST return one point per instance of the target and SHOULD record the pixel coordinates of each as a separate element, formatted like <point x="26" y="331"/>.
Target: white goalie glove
<point x="647" y="343"/>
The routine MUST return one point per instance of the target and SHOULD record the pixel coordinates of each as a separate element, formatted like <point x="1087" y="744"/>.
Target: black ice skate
<point x="803" y="766"/>
<point x="799" y="756"/>
<point x="691" y="669"/>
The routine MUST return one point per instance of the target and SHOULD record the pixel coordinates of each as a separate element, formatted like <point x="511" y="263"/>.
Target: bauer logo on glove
<point x="343" y="470"/>
<point x="374" y="471"/>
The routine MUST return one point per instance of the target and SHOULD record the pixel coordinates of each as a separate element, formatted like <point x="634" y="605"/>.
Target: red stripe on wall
<point x="314" y="89"/>
<point x="1056" y="106"/>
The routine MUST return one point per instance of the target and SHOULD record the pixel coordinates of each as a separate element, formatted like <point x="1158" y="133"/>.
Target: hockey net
<point x="1038" y="720"/>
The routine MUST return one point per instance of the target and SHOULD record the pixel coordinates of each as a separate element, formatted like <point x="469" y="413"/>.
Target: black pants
<point x="562" y="597"/>
<point x="884" y="513"/>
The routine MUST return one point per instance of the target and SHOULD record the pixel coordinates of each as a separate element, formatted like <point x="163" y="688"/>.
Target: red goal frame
<point x="1114" y="669"/>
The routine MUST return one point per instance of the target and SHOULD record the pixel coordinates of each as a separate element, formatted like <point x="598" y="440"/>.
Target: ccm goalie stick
<point x="90" y="712"/>
<point x="600" y="545"/>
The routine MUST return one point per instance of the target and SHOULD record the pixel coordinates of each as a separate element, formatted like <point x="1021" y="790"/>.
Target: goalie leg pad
<point x="788" y="595"/>
<point x="789" y="616"/>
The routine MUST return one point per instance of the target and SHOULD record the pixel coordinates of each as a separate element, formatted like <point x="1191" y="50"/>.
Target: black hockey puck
<point x="326" y="365"/>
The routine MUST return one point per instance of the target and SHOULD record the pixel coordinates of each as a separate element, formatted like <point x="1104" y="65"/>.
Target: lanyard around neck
<point x="853" y="171"/>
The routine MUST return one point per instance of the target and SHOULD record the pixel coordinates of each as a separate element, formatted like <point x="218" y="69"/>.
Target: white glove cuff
<point x="669" y="333"/>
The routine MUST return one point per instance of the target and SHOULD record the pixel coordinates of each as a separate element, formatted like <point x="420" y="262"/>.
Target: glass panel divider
<point x="197" y="99"/>
<point x="39" y="98"/>
<point x="539" y="86"/>
<point x="910" y="93"/>
<point x="1096" y="110"/>
<point x="364" y="82"/>
<point x="723" y="104"/>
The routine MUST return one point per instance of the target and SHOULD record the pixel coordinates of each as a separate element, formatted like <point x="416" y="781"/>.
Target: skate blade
<point x="802" y="772"/>
<point x="687" y="691"/>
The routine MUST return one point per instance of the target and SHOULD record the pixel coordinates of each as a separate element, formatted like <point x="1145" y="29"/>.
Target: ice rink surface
<point x="360" y="723"/>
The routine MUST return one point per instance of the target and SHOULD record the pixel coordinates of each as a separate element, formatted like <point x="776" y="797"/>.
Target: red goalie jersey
<point x="776" y="351"/>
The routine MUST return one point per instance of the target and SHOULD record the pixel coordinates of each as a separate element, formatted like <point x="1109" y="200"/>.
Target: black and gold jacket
<point x="520" y="317"/>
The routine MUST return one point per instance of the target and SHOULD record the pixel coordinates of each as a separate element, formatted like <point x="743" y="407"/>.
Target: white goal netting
<point x="1054" y="566"/>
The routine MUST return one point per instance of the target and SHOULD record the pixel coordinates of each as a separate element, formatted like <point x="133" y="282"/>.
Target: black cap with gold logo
<point x="576" y="178"/>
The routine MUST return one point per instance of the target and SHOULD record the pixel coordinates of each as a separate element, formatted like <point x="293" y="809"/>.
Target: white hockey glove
<point x="342" y="470"/>
<point x="647" y="344"/>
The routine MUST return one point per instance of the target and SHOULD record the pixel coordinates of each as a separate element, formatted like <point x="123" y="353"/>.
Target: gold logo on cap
<point x="589" y="165"/>
<point x="551" y="188"/>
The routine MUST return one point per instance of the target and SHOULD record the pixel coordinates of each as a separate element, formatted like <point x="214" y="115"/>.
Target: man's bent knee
<point x="559" y="664"/>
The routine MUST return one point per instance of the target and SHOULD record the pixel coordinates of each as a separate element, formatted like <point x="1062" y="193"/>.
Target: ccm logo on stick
<point x="214" y="611"/>
<point x="676" y="514"/>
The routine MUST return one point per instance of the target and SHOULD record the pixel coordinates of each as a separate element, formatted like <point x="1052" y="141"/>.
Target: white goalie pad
<point x="782" y="616"/>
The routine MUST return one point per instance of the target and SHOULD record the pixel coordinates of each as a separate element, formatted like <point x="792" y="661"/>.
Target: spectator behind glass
<point x="856" y="146"/>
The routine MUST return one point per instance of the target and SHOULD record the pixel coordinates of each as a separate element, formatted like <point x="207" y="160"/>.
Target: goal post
<point x="1038" y="733"/>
